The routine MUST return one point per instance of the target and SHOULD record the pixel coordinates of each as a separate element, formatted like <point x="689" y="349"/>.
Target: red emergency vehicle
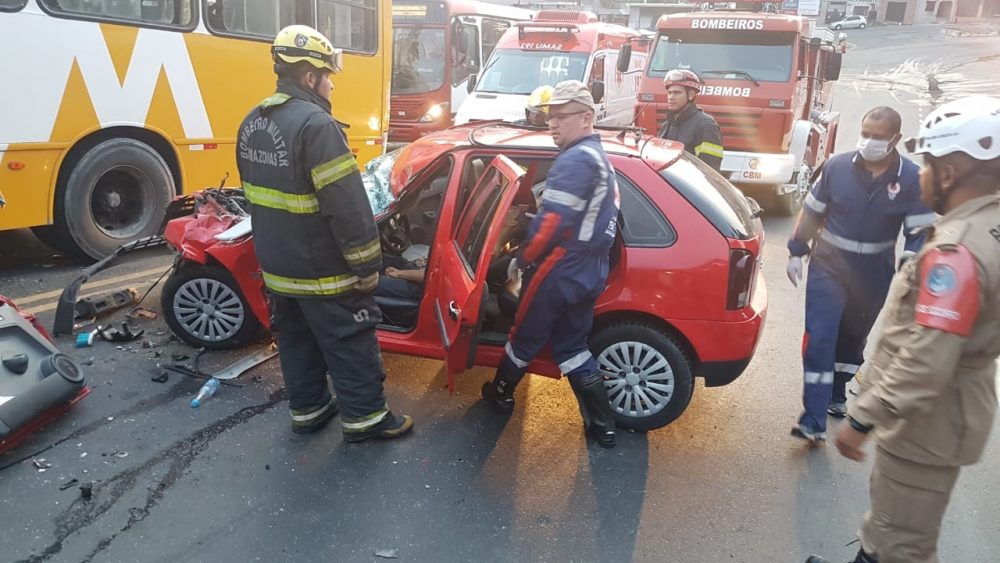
<point x="437" y="45"/>
<point x="558" y="46"/>
<point x="768" y="81"/>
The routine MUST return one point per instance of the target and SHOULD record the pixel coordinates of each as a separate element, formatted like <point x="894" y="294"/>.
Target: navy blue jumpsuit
<point x="566" y="261"/>
<point x="849" y="224"/>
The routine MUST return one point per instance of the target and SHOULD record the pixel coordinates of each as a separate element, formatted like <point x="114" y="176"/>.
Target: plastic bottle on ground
<point x="207" y="390"/>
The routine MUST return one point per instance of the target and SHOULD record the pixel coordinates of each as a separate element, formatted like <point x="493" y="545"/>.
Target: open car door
<point x="464" y="261"/>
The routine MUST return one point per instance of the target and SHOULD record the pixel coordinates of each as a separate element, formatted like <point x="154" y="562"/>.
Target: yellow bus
<point x="110" y="108"/>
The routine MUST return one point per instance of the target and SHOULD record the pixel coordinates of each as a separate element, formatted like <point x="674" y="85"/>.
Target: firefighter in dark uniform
<point x="686" y="123"/>
<point x="566" y="264"/>
<point x="929" y="393"/>
<point x="317" y="244"/>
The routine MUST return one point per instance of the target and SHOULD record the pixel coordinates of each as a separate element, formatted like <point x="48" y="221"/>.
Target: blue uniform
<point x="849" y="224"/>
<point x="566" y="261"/>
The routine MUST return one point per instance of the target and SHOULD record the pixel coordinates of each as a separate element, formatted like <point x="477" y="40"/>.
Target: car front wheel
<point x="648" y="377"/>
<point x="837" y="27"/>
<point x="204" y="307"/>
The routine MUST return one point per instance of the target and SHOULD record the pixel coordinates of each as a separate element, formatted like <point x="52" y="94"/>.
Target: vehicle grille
<point x="407" y="109"/>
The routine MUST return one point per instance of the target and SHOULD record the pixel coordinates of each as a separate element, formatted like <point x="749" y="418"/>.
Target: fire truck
<point x="768" y="81"/>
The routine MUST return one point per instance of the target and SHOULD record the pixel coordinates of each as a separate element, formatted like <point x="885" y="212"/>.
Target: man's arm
<point x="918" y="217"/>
<point x="811" y="217"/>
<point x="568" y="188"/>
<point x="709" y="150"/>
<point x="945" y="311"/>
<point x="341" y="195"/>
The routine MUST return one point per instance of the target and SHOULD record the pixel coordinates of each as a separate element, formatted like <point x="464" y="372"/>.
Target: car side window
<point x="473" y="227"/>
<point x="642" y="225"/>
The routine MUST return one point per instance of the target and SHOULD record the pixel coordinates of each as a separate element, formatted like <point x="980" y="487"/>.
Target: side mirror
<point x="833" y="64"/>
<point x="597" y="91"/>
<point x="471" y="84"/>
<point x="624" y="57"/>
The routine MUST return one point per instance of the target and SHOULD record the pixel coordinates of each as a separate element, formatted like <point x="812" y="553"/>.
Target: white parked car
<point x="849" y="22"/>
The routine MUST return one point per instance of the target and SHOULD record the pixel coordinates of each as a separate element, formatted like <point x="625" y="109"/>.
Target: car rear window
<point x="719" y="201"/>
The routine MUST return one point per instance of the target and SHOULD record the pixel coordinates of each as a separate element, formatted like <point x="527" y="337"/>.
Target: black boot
<point x="500" y="392"/>
<point x="598" y="418"/>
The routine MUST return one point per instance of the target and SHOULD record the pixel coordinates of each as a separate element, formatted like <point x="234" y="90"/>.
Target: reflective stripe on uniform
<point x="306" y="417"/>
<point x="814" y="204"/>
<point x="596" y="199"/>
<point x="363" y="253"/>
<point x="574" y="362"/>
<point x="814" y="377"/>
<point x="709" y="149"/>
<point x="846" y="368"/>
<point x="332" y="285"/>
<point x="855" y="246"/>
<point x="333" y="170"/>
<point x="513" y="358"/>
<point x="275" y="100"/>
<point x="919" y="221"/>
<point x="365" y="422"/>
<point x="277" y="199"/>
<point x="564" y="198"/>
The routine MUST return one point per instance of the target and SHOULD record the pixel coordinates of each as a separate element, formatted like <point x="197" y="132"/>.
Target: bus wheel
<point x="116" y="193"/>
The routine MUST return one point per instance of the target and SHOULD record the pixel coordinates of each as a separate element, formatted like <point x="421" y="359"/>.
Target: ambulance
<point x="557" y="46"/>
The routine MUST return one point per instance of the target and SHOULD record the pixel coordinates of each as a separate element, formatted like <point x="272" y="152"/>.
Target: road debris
<point x="41" y="464"/>
<point x="87" y="490"/>
<point x="69" y="484"/>
<point x="387" y="553"/>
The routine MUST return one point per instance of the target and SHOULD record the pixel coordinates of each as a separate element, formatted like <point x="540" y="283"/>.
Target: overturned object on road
<point x="37" y="382"/>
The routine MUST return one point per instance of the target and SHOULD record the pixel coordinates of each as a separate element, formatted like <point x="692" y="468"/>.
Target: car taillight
<point x="741" y="270"/>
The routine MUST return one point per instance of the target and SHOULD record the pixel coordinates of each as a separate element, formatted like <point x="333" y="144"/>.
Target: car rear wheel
<point x="648" y="376"/>
<point x="204" y="307"/>
<point x="862" y="26"/>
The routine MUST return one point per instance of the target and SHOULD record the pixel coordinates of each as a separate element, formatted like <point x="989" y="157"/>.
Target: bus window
<point x="351" y="25"/>
<point x="259" y="18"/>
<point x="417" y="59"/>
<point x="492" y="30"/>
<point x="464" y="52"/>
<point x="171" y="12"/>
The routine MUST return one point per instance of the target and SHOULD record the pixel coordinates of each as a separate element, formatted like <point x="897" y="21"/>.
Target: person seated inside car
<point x="401" y="278"/>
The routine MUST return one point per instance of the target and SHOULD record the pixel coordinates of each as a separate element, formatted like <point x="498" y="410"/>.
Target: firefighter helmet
<point x="969" y="125"/>
<point x="301" y="43"/>
<point x="682" y="77"/>
<point x="538" y="99"/>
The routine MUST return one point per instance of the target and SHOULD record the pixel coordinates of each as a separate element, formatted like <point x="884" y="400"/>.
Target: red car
<point x="685" y="296"/>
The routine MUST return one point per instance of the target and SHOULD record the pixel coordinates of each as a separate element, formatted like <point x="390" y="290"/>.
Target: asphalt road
<point x="229" y="482"/>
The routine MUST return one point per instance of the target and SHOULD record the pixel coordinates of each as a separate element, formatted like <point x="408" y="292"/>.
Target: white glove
<point x="512" y="270"/>
<point x="794" y="270"/>
<point x="367" y="284"/>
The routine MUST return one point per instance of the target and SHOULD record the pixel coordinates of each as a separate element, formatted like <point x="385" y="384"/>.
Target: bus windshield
<point x="727" y="55"/>
<point x="418" y="59"/>
<point x="519" y="72"/>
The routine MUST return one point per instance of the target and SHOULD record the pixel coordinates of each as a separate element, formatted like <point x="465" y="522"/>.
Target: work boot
<point x="391" y="426"/>
<point x="837" y="410"/>
<point x="499" y="393"/>
<point x="309" y="421"/>
<point x="598" y="418"/>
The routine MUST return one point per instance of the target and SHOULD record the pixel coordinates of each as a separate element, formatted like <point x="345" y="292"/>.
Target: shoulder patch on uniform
<point x="949" y="293"/>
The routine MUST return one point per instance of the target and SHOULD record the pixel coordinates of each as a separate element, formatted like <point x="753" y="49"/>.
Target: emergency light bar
<point x="523" y="27"/>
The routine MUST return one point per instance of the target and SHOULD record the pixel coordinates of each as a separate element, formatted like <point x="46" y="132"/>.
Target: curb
<point x="952" y="32"/>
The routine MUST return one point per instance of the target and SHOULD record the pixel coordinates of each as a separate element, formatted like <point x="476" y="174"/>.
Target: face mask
<point x="873" y="150"/>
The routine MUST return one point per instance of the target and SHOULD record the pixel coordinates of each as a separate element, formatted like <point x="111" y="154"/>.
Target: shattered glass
<point x="376" y="179"/>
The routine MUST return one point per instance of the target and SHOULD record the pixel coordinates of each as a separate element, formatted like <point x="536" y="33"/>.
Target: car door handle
<point x="453" y="310"/>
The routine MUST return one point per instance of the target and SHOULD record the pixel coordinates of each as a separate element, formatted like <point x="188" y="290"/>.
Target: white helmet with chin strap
<point x="969" y="125"/>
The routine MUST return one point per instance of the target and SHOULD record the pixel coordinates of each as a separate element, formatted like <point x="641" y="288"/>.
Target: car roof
<point x="498" y="135"/>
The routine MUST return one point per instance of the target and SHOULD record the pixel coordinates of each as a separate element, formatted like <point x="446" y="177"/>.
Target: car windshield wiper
<point x="739" y="72"/>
